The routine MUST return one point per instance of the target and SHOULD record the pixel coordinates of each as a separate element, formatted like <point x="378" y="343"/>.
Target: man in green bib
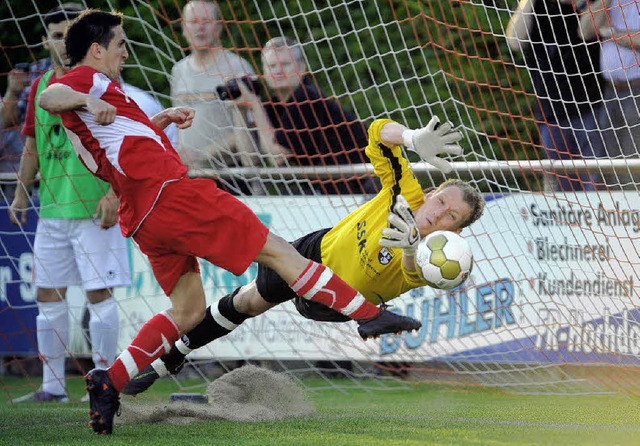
<point x="78" y="240"/>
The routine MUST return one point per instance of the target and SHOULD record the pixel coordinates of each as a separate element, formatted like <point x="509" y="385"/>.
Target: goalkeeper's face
<point x="444" y="210"/>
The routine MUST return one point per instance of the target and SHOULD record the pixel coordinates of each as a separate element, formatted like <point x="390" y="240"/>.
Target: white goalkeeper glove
<point x="403" y="232"/>
<point x="433" y="140"/>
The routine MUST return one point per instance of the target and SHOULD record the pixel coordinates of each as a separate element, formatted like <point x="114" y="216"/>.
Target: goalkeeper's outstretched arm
<point x="391" y="134"/>
<point x="428" y="142"/>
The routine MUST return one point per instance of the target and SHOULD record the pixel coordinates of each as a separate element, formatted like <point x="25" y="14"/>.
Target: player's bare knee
<point x="97" y="296"/>
<point x="283" y="258"/>
<point x="51" y="294"/>
<point x="187" y="318"/>
<point x="273" y="250"/>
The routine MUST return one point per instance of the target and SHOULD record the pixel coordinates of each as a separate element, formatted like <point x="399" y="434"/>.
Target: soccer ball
<point x="445" y="259"/>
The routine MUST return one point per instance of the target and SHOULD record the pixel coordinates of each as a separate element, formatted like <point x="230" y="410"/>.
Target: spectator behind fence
<point x="14" y="108"/>
<point x="617" y="24"/>
<point x="563" y="69"/>
<point x="78" y="240"/>
<point x="11" y="119"/>
<point x="219" y="136"/>
<point x="304" y="125"/>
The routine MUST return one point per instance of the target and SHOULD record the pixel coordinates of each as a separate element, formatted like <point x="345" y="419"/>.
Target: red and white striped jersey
<point x="132" y="154"/>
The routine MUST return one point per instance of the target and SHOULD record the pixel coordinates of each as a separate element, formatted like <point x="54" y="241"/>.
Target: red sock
<point x="154" y="339"/>
<point x="319" y="284"/>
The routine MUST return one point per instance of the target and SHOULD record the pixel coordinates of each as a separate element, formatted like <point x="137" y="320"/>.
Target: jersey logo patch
<point x="385" y="256"/>
<point x="120" y="90"/>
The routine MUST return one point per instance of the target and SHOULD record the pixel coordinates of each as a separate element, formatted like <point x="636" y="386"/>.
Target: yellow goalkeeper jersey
<point x="352" y="247"/>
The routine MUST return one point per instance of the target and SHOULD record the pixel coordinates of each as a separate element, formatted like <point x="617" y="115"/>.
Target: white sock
<point x="182" y="347"/>
<point x="104" y="325"/>
<point x="52" y="325"/>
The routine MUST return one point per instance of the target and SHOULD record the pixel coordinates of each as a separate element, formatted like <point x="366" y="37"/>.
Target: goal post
<point x="551" y="305"/>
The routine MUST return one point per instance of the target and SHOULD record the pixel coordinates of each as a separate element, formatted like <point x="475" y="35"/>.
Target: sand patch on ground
<point x="248" y="393"/>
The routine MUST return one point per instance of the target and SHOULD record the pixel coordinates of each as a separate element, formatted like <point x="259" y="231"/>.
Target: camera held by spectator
<point x="231" y="90"/>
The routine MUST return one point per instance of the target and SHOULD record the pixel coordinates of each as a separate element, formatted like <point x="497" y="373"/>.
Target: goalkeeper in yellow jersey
<point x="372" y="249"/>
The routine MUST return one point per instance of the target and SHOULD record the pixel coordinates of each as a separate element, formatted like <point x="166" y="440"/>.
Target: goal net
<point x="551" y="305"/>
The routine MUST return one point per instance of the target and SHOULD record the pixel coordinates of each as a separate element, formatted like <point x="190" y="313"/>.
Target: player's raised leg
<point x="318" y="283"/>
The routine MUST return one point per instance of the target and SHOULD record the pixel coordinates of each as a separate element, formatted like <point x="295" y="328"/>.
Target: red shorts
<point x="194" y="218"/>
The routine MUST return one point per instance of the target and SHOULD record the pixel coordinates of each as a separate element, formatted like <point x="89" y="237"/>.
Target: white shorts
<point x="79" y="253"/>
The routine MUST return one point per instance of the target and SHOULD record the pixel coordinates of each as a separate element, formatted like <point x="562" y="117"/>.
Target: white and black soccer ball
<point x="445" y="259"/>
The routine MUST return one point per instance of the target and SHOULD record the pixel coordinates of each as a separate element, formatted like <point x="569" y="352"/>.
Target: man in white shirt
<point x="219" y="136"/>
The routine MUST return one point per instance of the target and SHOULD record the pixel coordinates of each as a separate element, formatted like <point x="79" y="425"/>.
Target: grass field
<point x="427" y="414"/>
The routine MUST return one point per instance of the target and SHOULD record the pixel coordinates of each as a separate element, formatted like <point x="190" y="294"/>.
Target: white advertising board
<point x="555" y="280"/>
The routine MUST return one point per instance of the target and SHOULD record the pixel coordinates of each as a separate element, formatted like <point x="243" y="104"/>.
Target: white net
<point x="551" y="305"/>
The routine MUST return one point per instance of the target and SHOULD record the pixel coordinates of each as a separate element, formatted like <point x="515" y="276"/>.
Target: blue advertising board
<point x="18" y="308"/>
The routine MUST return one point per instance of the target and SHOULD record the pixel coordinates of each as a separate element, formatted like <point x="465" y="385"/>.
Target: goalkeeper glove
<point x="433" y="140"/>
<point x="403" y="232"/>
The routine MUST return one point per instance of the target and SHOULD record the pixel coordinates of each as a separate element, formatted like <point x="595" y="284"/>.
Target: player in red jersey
<point x="174" y="219"/>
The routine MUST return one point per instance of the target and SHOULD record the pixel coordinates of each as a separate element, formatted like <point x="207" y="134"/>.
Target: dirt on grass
<point x="248" y="393"/>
